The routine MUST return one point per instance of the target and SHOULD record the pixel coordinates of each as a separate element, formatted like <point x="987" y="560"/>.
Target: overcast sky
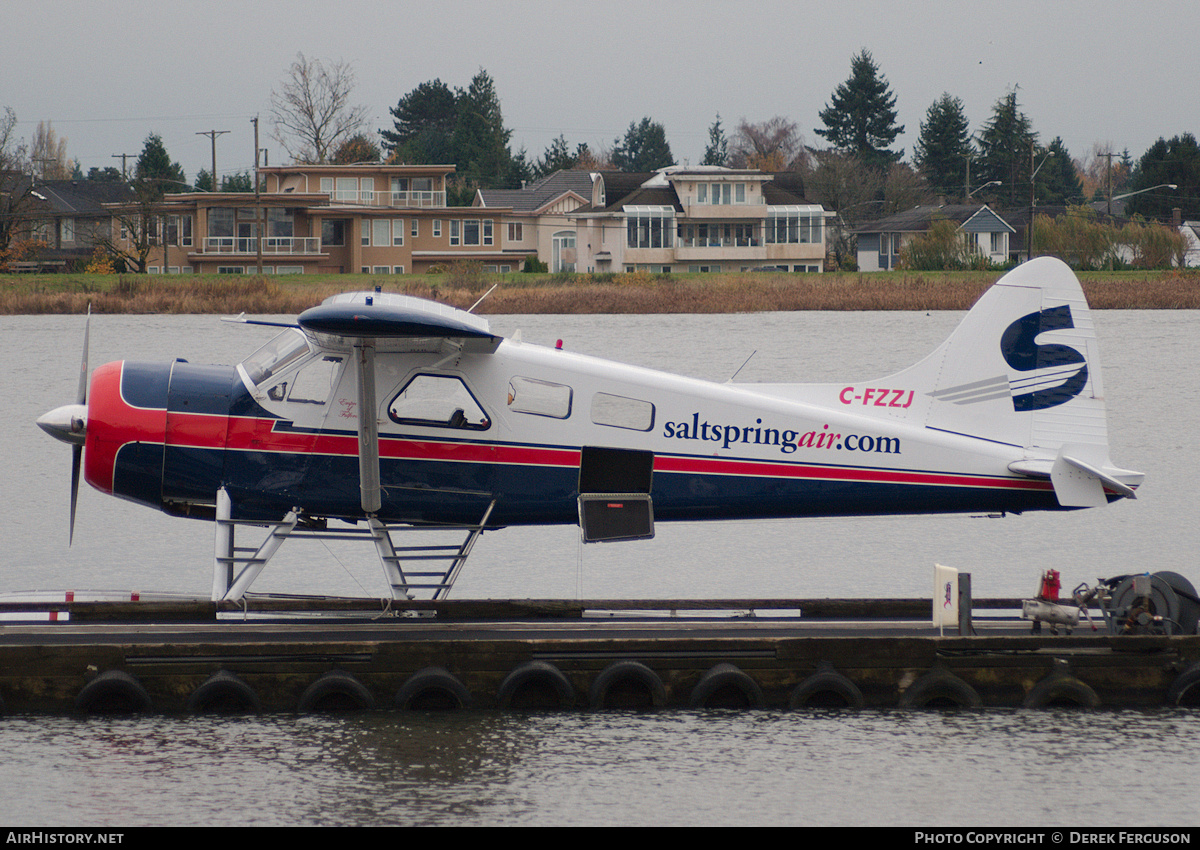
<point x="109" y="73"/>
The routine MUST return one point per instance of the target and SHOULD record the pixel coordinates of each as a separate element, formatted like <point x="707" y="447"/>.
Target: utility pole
<point x="1032" y="203"/>
<point x="123" y="157"/>
<point x="212" y="134"/>
<point x="258" y="213"/>
<point x="1108" y="179"/>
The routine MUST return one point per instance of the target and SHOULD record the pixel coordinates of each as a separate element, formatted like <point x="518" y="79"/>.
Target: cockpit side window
<point x="437" y="401"/>
<point x="282" y="351"/>
<point x="314" y="382"/>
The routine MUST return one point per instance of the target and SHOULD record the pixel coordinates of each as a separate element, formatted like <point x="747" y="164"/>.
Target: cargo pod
<point x="614" y="494"/>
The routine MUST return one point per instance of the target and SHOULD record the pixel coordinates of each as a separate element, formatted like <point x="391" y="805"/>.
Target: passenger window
<point x="620" y="412"/>
<point x="314" y="383"/>
<point x="541" y="398"/>
<point x="437" y="401"/>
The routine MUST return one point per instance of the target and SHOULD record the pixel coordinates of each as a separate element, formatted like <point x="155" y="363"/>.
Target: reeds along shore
<point x="636" y="292"/>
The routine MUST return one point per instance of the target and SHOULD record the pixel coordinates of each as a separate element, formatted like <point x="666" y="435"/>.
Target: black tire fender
<point x="719" y="683"/>
<point x="540" y="675"/>
<point x="627" y="674"/>
<point x="336" y="690"/>
<point x="826" y="688"/>
<point x="432" y="688"/>
<point x="1061" y="689"/>
<point x="113" y="692"/>
<point x="1183" y="690"/>
<point x="224" y="693"/>
<point x="940" y="688"/>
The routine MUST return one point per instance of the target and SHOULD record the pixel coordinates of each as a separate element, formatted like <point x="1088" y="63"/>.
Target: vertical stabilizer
<point x="1023" y="368"/>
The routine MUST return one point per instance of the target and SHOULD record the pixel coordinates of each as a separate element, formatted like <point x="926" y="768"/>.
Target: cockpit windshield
<point x="277" y="354"/>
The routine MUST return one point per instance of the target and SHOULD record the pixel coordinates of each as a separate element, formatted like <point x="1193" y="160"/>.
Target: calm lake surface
<point x="883" y="768"/>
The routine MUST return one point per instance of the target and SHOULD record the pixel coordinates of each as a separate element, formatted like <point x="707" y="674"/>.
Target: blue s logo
<point x="1024" y="355"/>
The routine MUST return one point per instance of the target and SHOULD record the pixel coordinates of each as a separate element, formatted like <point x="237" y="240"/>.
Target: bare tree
<point x="842" y="182"/>
<point x="48" y="154"/>
<point x="903" y="189"/>
<point x="16" y="188"/>
<point x="311" y="110"/>
<point x="774" y="145"/>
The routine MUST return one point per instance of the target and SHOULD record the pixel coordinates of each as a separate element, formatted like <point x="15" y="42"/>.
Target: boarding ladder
<point x="236" y="567"/>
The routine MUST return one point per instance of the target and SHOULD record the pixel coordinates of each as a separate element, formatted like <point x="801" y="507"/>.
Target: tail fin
<point x="1023" y="369"/>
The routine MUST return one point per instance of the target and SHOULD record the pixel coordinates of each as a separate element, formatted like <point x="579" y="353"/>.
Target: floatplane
<point x="375" y="413"/>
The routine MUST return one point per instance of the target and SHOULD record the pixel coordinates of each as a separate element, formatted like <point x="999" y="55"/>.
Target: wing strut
<point x="368" y="427"/>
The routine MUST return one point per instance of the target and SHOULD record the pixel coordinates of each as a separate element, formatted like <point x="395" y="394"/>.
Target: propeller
<point x="69" y="424"/>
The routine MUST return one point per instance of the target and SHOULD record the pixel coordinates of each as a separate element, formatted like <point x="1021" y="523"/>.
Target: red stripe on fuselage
<point x="271" y="435"/>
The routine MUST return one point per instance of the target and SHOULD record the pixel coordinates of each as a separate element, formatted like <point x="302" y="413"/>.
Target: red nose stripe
<point x="113" y="423"/>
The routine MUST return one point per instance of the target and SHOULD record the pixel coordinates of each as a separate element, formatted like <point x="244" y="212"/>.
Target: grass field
<point x="636" y="292"/>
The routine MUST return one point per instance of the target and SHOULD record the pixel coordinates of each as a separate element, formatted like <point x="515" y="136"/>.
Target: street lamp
<point x="1129" y="195"/>
<point x="1139" y="191"/>
<point x="984" y="186"/>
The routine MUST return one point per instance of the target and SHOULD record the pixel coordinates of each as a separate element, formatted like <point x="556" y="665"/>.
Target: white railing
<point x="418" y="199"/>
<point x="271" y="245"/>
<point x="367" y="197"/>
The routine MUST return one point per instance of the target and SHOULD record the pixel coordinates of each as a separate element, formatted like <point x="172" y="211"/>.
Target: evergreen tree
<point x="239" y="182"/>
<point x="1057" y="180"/>
<point x="520" y="171"/>
<point x="1004" y="146"/>
<point x="860" y="118"/>
<point x="643" y="148"/>
<point x="154" y="166"/>
<point x="480" y="139"/>
<point x="1175" y="161"/>
<point x="425" y="120"/>
<point x="717" y="151"/>
<point x="108" y="174"/>
<point x="557" y="157"/>
<point x="943" y="147"/>
<point x="437" y="125"/>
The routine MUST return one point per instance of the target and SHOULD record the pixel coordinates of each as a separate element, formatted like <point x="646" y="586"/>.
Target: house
<point x="539" y="219"/>
<point x="69" y="219"/>
<point x="1191" y="232"/>
<point x="880" y="242"/>
<point x="698" y="219"/>
<point x="369" y="218"/>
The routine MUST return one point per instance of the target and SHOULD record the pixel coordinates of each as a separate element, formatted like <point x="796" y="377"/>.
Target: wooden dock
<point x="320" y="655"/>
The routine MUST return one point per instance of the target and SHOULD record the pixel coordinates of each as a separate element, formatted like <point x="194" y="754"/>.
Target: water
<point x="680" y="768"/>
<point x="768" y="767"/>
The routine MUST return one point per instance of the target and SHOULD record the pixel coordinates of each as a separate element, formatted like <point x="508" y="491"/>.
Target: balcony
<point x="271" y="246"/>
<point x="370" y="198"/>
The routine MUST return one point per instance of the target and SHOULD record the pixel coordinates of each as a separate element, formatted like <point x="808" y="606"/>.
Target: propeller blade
<point x="76" y="463"/>
<point x="69" y="423"/>
<point x="81" y="394"/>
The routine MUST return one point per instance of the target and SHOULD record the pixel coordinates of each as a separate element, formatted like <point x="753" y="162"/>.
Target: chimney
<point x="1176" y="217"/>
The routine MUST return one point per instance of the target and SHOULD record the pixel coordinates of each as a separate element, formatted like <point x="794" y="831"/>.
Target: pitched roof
<point x="81" y="197"/>
<point x="919" y="218"/>
<point x="540" y="193"/>
<point x="785" y="188"/>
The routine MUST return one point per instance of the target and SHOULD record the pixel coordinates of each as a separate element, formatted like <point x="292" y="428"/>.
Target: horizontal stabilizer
<point x="1079" y="483"/>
